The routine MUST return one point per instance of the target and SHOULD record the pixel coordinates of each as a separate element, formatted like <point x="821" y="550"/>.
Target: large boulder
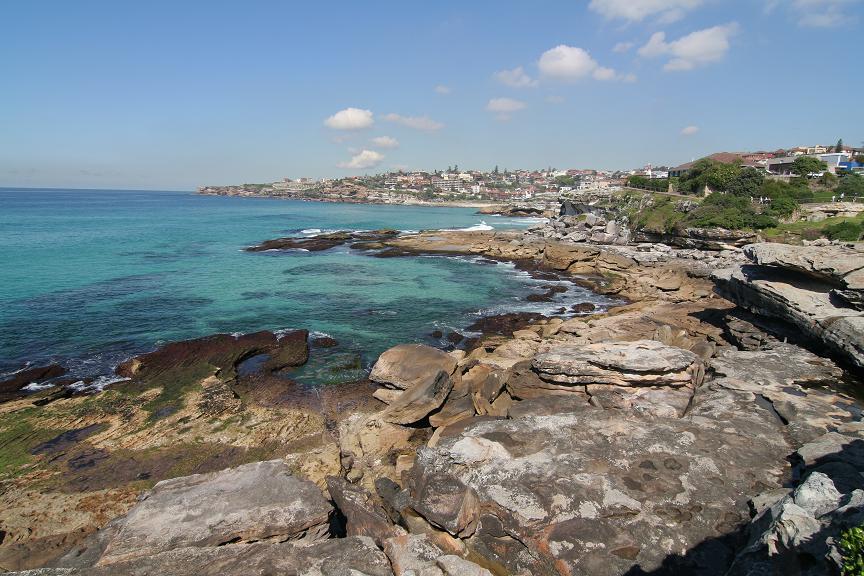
<point x="407" y="365"/>
<point x="639" y="363"/>
<point x="252" y="502"/>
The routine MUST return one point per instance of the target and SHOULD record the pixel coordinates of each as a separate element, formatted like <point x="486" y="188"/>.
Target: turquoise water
<point x="90" y="278"/>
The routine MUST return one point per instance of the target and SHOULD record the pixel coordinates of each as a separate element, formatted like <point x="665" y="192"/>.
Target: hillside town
<point x="511" y="186"/>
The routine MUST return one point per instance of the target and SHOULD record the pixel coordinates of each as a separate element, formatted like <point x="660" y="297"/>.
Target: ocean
<point x="89" y="278"/>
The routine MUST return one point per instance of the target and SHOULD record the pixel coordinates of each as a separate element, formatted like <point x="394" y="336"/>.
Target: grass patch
<point x="841" y="228"/>
<point x="18" y="435"/>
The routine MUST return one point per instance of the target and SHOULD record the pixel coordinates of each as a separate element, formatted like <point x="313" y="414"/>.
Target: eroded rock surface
<point x="253" y="502"/>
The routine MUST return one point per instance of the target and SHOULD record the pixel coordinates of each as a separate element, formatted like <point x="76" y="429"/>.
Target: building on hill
<point x="722" y="157"/>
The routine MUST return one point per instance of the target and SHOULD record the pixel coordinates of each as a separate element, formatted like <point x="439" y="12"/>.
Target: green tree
<point x="746" y="183"/>
<point x="828" y="180"/>
<point x="720" y="176"/>
<point x="850" y="185"/>
<point x="806" y="165"/>
<point x="839" y="146"/>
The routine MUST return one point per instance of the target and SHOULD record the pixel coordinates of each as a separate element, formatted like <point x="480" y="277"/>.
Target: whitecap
<point x="481" y="227"/>
<point x="36" y="386"/>
<point x="98" y="384"/>
<point x="311" y="231"/>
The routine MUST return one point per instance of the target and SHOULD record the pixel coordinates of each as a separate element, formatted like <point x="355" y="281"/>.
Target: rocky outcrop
<point x="12" y="385"/>
<point x="711" y="239"/>
<point x="798" y="286"/>
<point x="221" y="352"/>
<point x="587" y="226"/>
<point x="321" y="242"/>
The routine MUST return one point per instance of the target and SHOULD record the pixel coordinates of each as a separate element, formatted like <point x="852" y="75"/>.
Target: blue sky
<point x="179" y="94"/>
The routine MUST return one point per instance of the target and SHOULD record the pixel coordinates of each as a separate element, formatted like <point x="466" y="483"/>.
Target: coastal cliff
<point x="694" y="429"/>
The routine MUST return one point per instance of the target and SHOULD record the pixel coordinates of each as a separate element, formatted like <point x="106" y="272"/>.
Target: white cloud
<point x="638" y="10"/>
<point x="385" y="142"/>
<point x="604" y="73"/>
<point x="555" y="99"/>
<point x="423" y="123"/>
<point x="822" y="13"/>
<point x="695" y="49"/>
<point x="622" y="47"/>
<point x="363" y="159"/>
<point x="350" y="119"/>
<point x="443" y="90"/>
<point x="689" y="130"/>
<point x="629" y="78"/>
<point x="570" y="63"/>
<point x="566" y="62"/>
<point x="517" y="78"/>
<point x="504" y="105"/>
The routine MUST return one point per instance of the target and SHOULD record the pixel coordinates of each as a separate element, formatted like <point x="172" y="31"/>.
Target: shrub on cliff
<point x="848" y="230"/>
<point x="728" y="211"/>
<point x="852" y="549"/>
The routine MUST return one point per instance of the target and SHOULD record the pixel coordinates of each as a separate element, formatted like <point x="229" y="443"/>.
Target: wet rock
<point x="322" y="241"/>
<point x="11" y="386"/>
<point x="408" y="365"/>
<point x="505" y="324"/>
<point x="324" y="342"/>
<point x="219" y="352"/>
<point x="252" y="502"/>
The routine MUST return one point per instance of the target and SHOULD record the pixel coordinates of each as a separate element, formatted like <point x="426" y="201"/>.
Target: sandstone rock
<point x="255" y="501"/>
<point x="418" y="401"/>
<point x="562" y="485"/>
<point x="413" y="555"/>
<point x="407" y="365"/>
<point x="817" y="494"/>
<point x="837" y="265"/>
<point x="800" y="301"/>
<point x="363" y="516"/>
<point x="353" y="555"/>
<point x="639" y="363"/>
<point x="453" y="410"/>
<point x="455" y="566"/>
<point x="387" y="395"/>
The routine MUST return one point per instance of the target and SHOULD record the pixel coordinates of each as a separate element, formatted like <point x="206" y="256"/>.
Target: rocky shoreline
<point x="707" y="426"/>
